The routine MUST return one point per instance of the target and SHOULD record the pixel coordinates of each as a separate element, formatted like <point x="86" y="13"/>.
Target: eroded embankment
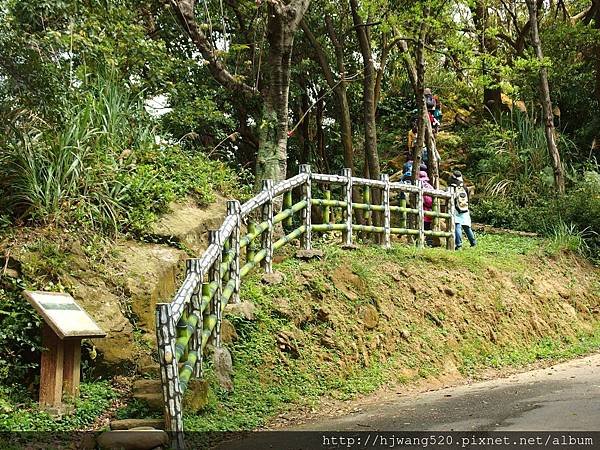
<point x="357" y="320"/>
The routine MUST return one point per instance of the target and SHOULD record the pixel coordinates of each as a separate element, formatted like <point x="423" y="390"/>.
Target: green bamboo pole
<point x="246" y="240"/>
<point x="329" y="227"/>
<point x="366" y="201"/>
<point x="369" y="228"/>
<point x="257" y="229"/>
<point x="289" y="212"/>
<point x="293" y="235"/>
<point x="437" y="233"/>
<point x="403" y="210"/>
<point x="436" y="214"/>
<point x="368" y="207"/>
<point x="186" y="371"/>
<point x="326" y="209"/>
<point x="287" y="204"/>
<point x="407" y="231"/>
<point x="251" y="264"/>
<point x="325" y="202"/>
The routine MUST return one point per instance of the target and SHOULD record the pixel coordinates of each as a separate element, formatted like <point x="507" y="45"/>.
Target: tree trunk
<point x="339" y="87"/>
<point x="492" y="95"/>
<point x="559" y="177"/>
<point x="283" y="21"/>
<point x="416" y="75"/>
<point x="371" y="155"/>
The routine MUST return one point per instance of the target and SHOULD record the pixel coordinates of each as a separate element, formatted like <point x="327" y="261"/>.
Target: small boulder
<point x="405" y="334"/>
<point x="128" y="424"/>
<point x="369" y="316"/>
<point x="449" y="291"/>
<point x="272" y="278"/>
<point x="196" y="396"/>
<point x="11" y="273"/>
<point x="309" y="254"/>
<point x="223" y="367"/>
<point x="145" y="439"/>
<point x="242" y="309"/>
<point x="327" y="339"/>
<point x="228" y="333"/>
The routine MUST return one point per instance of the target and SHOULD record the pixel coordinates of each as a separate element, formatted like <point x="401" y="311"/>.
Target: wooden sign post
<point x="65" y="325"/>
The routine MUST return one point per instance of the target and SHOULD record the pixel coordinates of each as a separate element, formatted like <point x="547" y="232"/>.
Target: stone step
<point x="150" y="392"/>
<point x="144" y="386"/>
<point x="144" y="438"/>
<point x="128" y="424"/>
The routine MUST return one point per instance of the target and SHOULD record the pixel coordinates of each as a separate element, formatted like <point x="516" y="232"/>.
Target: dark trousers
<point x="458" y="235"/>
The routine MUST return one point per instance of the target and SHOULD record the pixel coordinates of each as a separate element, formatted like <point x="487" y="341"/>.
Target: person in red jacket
<point x="427" y="204"/>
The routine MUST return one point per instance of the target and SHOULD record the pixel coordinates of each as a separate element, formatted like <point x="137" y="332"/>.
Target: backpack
<point x="429" y="101"/>
<point x="461" y="201"/>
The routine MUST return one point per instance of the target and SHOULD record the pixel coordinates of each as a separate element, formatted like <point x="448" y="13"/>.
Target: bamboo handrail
<point x="192" y="320"/>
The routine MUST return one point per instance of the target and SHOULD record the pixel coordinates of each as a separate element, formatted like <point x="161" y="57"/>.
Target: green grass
<point x="268" y="382"/>
<point x="18" y="412"/>
<point x="477" y="354"/>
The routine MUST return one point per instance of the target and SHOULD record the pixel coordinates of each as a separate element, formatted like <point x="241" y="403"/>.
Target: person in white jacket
<point x="462" y="216"/>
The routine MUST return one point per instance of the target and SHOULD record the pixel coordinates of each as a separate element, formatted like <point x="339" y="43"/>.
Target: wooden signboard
<point x="65" y="325"/>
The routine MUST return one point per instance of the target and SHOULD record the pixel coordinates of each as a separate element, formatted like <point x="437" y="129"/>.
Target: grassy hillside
<point x="358" y="320"/>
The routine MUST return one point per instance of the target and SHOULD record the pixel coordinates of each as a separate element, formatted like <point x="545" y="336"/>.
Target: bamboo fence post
<point x="346" y="172"/>
<point x="421" y="219"/>
<point x="169" y="374"/>
<point x="403" y="205"/>
<point x="214" y="275"/>
<point x="193" y="308"/>
<point x="326" y="209"/>
<point x="250" y="248"/>
<point x="287" y="204"/>
<point x="226" y="248"/>
<point x="451" y="242"/>
<point x="367" y="201"/>
<point x="233" y="209"/>
<point x="386" y="212"/>
<point x="306" y="212"/>
<point x="267" y="237"/>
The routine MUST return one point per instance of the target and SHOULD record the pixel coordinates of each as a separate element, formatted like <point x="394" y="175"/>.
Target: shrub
<point x="103" y="169"/>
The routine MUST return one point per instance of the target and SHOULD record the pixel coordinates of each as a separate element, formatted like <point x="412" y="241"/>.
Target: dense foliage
<point x="110" y="110"/>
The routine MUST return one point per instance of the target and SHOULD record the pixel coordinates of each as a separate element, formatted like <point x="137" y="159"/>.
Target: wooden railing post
<point x="347" y="172"/>
<point x="421" y="219"/>
<point x="169" y="374"/>
<point x="214" y="275"/>
<point x="306" y="212"/>
<point x="386" y="211"/>
<point x="233" y="209"/>
<point x="450" y="242"/>
<point x="267" y="236"/>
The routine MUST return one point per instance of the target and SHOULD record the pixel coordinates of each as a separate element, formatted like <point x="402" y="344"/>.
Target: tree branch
<point x="184" y="9"/>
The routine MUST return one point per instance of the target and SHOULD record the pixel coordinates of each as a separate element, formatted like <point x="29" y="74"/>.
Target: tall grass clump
<point x="511" y="158"/>
<point x="102" y="167"/>
<point x="568" y="238"/>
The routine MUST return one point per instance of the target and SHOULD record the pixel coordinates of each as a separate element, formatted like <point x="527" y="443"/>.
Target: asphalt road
<point x="563" y="397"/>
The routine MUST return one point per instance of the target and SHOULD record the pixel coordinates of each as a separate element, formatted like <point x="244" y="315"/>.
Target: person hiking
<point x="427" y="204"/>
<point x="462" y="216"/>
<point x="437" y="114"/>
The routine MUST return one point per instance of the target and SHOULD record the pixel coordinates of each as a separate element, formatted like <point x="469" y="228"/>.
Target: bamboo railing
<point x="192" y="320"/>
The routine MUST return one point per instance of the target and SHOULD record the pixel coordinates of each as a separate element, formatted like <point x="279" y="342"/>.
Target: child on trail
<point x="462" y="217"/>
<point x="427" y="204"/>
